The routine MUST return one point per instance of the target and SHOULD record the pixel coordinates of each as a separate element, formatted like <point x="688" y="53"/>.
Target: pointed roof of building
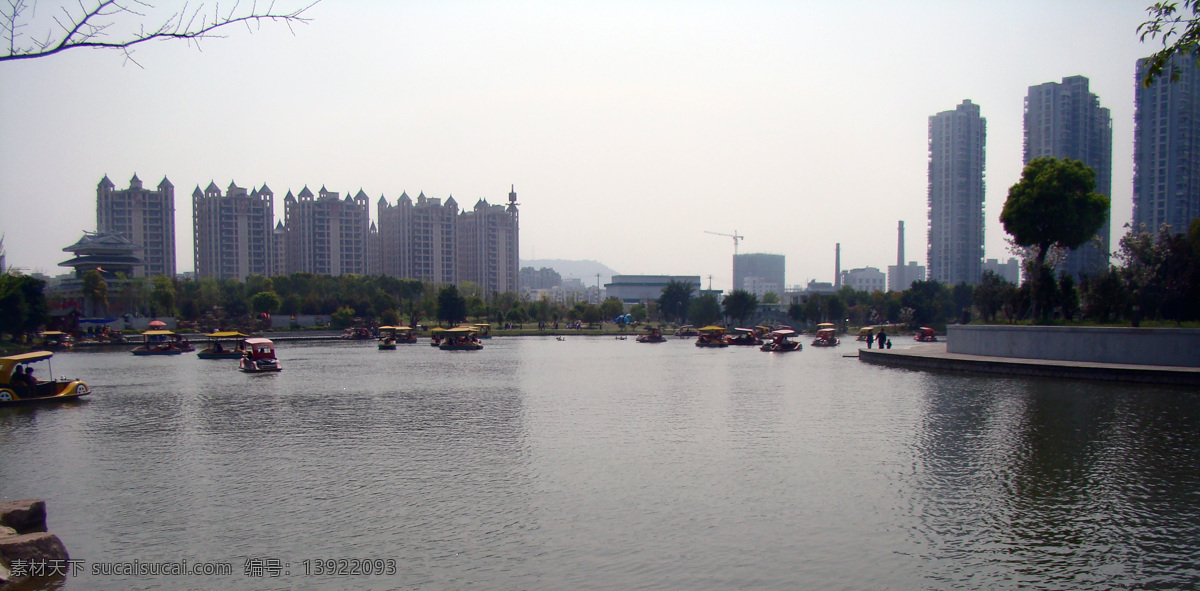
<point x="450" y="201"/>
<point x="165" y="183"/>
<point x="197" y="192"/>
<point x="305" y="192"/>
<point x="104" y="182"/>
<point x="212" y="186"/>
<point x="404" y="198"/>
<point x="265" y="190"/>
<point x="289" y="198"/>
<point x="481" y="203"/>
<point x="361" y="194"/>
<point x="232" y="186"/>
<point x="382" y="201"/>
<point x="279" y="224"/>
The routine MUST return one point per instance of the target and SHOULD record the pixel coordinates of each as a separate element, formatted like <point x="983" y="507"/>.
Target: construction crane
<point x="736" y="237"/>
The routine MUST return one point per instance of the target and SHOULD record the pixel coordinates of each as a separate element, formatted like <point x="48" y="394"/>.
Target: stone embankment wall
<point x="24" y="540"/>
<point x="1138" y="346"/>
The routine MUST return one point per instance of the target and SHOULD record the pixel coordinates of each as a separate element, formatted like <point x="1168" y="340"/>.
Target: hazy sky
<point x="627" y="128"/>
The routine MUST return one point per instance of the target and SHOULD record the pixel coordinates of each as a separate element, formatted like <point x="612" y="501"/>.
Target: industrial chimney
<point x="900" y="246"/>
<point x="837" y="266"/>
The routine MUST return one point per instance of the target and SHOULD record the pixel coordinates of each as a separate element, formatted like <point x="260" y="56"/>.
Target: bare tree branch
<point x="92" y="25"/>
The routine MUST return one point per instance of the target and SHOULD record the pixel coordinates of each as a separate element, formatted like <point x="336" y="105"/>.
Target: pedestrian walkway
<point x="933" y="356"/>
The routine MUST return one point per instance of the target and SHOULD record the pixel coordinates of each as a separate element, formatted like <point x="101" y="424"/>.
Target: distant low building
<point x="868" y="279"/>
<point x="1010" y="271"/>
<point x="544" y="278"/>
<point x="639" y="289"/>
<point x="759" y="273"/>
<point x="902" y="278"/>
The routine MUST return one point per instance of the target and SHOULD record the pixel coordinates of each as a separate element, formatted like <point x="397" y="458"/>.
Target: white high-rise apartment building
<point x="1065" y="120"/>
<point x="956" y="192"/>
<point x="1166" y="147"/>
<point x="144" y="217"/>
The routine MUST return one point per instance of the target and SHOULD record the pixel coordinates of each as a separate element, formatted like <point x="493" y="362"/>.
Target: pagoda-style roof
<point x="95" y="242"/>
<point x="109" y="253"/>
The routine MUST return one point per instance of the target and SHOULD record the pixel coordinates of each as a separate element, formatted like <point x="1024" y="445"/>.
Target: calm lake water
<point x="595" y="463"/>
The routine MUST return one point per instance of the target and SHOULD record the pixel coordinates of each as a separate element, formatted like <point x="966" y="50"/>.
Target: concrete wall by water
<point x="1141" y="346"/>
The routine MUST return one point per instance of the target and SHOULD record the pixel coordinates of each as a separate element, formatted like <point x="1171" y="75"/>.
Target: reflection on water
<point x="1058" y="484"/>
<point x="596" y="463"/>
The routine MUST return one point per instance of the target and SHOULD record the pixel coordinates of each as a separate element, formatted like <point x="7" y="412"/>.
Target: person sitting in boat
<point x="18" y="378"/>
<point x="31" y="381"/>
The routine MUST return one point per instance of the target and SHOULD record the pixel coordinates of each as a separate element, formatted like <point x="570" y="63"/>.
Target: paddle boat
<point x="925" y="335"/>
<point x="217" y="350"/>
<point x="437" y="334"/>
<point x="745" y="337"/>
<point x="259" y="356"/>
<point x="18" y="384"/>
<point x="55" y="340"/>
<point x="686" y="331"/>
<point x="387" y="338"/>
<point x="780" y="342"/>
<point x="358" y="333"/>
<point x="460" y="339"/>
<point x="158" y="342"/>
<point x="712" y="336"/>
<point x="866" y="333"/>
<point x="826" y="337"/>
<point x="653" y="335"/>
<point x="483" y="331"/>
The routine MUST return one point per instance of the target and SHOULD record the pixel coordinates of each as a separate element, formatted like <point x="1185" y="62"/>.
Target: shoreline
<point x="933" y="357"/>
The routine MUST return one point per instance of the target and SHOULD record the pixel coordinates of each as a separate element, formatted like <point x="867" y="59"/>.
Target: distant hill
<point x="584" y="270"/>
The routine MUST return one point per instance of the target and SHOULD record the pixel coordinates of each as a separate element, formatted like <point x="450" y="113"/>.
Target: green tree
<point x="611" y="308"/>
<point x="1162" y="274"/>
<point x="95" y="289"/>
<point x="516" y="315"/>
<point x="770" y="298"/>
<point x="1067" y="296"/>
<point x="962" y="296"/>
<point x="814" y="308"/>
<point x="928" y="301"/>
<point x="23" y="306"/>
<point x="1180" y="35"/>
<point x="163" y="295"/>
<point x="739" y="304"/>
<point x="796" y="312"/>
<point x="704" y="309"/>
<point x="342" y="318"/>
<point x="265" y="302"/>
<point x="1053" y="205"/>
<point x="675" y="300"/>
<point x="257" y="283"/>
<point x="389" y="317"/>
<point x="639" y="312"/>
<point x="837" y="310"/>
<point x="590" y="313"/>
<point x="991" y="294"/>
<point x="451" y="307"/>
<point x="1104" y="296"/>
<point x="290" y="305"/>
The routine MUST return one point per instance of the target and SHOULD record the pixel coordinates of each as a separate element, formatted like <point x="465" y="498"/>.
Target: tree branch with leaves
<point x="1180" y="34"/>
<point x="124" y="24"/>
